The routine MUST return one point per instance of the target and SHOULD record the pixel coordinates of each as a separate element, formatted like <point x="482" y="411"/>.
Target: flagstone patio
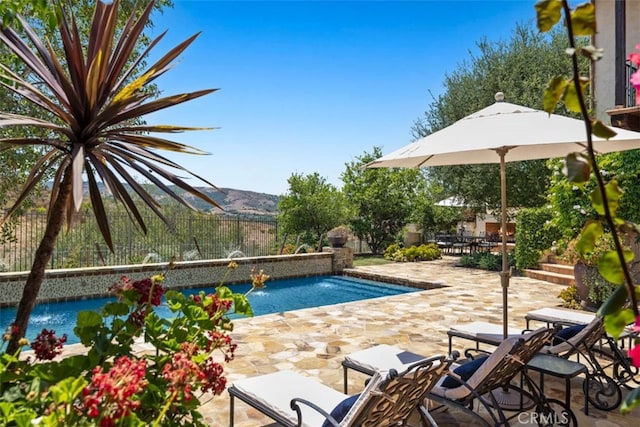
<point x="314" y="341"/>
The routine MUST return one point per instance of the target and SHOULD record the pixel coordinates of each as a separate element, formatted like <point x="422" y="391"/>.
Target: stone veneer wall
<point x="80" y="283"/>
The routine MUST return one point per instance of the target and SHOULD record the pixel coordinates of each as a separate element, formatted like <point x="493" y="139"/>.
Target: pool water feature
<point x="278" y="296"/>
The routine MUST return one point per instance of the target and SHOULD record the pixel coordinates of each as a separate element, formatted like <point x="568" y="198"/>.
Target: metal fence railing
<point x="191" y="236"/>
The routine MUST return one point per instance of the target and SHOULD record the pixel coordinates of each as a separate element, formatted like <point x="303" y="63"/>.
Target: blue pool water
<point x="278" y="296"/>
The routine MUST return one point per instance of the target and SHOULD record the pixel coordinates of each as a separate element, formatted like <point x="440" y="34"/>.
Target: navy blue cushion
<point x="342" y="409"/>
<point x="567" y="333"/>
<point x="464" y="371"/>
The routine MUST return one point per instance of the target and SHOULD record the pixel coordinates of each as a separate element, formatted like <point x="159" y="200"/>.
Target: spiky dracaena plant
<point x="93" y="130"/>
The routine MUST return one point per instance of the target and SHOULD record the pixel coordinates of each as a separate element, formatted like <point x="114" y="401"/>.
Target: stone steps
<point x="560" y="274"/>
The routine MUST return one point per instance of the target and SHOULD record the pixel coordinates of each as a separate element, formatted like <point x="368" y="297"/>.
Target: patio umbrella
<point x="503" y="132"/>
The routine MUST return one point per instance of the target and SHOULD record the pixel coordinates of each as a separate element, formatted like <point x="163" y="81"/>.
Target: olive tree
<point x="311" y="207"/>
<point x="381" y="199"/>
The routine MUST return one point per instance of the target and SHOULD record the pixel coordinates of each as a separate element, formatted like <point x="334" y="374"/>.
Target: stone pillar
<point x="342" y="258"/>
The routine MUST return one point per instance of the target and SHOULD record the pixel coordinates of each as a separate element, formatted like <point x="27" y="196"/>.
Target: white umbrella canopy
<point x="504" y="132"/>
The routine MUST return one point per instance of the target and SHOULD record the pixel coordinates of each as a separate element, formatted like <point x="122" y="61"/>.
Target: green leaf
<point x="68" y="389"/>
<point x="601" y="130"/>
<point x="116" y="309"/>
<point x="241" y="305"/>
<point x="87" y="319"/>
<point x="553" y="93"/>
<point x="615" y="301"/>
<point x="57" y="371"/>
<point x="583" y="20"/>
<point x="613" y="193"/>
<point x="224" y="292"/>
<point x="631" y="401"/>
<point x="610" y="267"/>
<point x="588" y="237"/>
<point x="548" y="13"/>
<point x="577" y="167"/>
<point x="571" y="100"/>
<point x="615" y="323"/>
<point x="195" y="313"/>
<point x="25" y="417"/>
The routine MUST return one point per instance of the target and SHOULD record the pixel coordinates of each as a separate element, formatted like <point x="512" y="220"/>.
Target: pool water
<point x="278" y="296"/>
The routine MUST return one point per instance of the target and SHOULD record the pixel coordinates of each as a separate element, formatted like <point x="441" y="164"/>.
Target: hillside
<point x="239" y="201"/>
<point x="231" y="200"/>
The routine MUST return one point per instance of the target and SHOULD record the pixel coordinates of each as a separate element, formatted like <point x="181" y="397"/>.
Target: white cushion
<point x="276" y="390"/>
<point x="380" y="357"/>
<point x="557" y="315"/>
<point x="486" y="331"/>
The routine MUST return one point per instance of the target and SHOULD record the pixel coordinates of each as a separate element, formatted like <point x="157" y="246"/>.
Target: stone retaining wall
<point x="80" y="283"/>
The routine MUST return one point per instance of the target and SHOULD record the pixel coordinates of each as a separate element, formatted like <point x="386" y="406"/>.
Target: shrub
<point x="485" y="261"/>
<point x="534" y="234"/>
<point x="109" y="385"/>
<point x="424" y="252"/>
<point x="570" y="297"/>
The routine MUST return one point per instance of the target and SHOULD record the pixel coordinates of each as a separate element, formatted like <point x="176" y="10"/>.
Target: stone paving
<point x="314" y="341"/>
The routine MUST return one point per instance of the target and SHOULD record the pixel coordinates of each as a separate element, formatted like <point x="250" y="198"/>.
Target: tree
<point x="41" y="16"/>
<point x="91" y="110"/>
<point x="521" y="68"/>
<point x="381" y="199"/>
<point x="311" y="207"/>
<point x="430" y="217"/>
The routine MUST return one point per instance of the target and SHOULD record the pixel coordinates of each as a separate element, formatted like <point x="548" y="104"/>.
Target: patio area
<point x="314" y="341"/>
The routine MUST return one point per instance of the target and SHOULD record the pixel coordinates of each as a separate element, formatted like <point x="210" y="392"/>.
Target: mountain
<point x="237" y="201"/>
<point x="232" y="201"/>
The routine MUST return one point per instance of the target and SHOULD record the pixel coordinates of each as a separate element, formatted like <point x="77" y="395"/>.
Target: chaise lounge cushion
<point x="567" y="333"/>
<point x="342" y="409"/>
<point x="464" y="371"/>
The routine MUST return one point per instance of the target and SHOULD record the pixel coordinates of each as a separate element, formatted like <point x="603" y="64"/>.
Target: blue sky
<point x="307" y="86"/>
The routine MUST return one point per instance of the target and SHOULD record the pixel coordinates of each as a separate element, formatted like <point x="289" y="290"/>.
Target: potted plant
<point x="591" y="287"/>
<point x="338" y="236"/>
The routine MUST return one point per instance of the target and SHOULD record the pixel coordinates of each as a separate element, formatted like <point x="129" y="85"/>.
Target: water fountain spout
<point x="301" y="247"/>
<point x="236" y="254"/>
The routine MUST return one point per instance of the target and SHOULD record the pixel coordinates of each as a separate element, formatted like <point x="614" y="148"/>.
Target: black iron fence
<point x="190" y="237"/>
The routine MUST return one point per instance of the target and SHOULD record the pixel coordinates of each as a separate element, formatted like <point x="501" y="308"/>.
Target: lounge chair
<point x="495" y="372"/>
<point x="598" y="351"/>
<point x="293" y="399"/>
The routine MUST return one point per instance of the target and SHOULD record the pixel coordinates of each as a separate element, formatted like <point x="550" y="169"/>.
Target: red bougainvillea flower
<point x="111" y="395"/>
<point x="221" y="341"/>
<point x="182" y="373"/>
<point x="634" y="57"/>
<point x="46" y="346"/>
<point x="149" y="290"/>
<point x="213" y="305"/>
<point x="215" y="380"/>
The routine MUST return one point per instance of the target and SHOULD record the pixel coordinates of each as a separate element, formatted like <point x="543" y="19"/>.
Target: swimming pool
<point x="278" y="296"/>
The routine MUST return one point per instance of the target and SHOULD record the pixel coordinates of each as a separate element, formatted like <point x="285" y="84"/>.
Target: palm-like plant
<point x="93" y="108"/>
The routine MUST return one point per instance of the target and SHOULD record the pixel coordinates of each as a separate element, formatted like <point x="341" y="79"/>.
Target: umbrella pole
<point x="505" y="398"/>
<point x="504" y="274"/>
